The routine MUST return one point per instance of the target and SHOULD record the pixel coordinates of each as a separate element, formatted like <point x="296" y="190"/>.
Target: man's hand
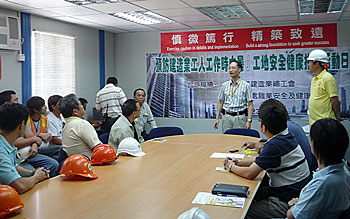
<point x="46" y="137"/>
<point x="216" y="124"/>
<point x="38" y="141"/>
<point x="228" y="161"/>
<point x="252" y="145"/>
<point x="33" y="150"/>
<point x="41" y="174"/>
<point x="247" y="125"/>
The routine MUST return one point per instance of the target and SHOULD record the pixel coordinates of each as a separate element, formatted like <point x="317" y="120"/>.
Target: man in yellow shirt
<point x="324" y="101"/>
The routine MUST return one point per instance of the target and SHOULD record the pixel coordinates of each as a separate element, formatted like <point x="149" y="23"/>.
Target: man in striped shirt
<point x="235" y="101"/>
<point x="109" y="100"/>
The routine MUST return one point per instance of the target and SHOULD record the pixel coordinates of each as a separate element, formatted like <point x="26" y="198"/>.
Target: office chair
<point x="61" y="158"/>
<point x="104" y="138"/>
<point x="245" y="132"/>
<point x="164" y="131"/>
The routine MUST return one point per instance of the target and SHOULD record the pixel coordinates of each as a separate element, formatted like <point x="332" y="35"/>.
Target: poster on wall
<point x="186" y="85"/>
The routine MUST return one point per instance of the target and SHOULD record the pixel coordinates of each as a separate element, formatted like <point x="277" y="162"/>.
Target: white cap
<point x="131" y="146"/>
<point x="194" y="213"/>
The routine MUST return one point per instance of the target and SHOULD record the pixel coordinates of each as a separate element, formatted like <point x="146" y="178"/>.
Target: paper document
<point x="205" y="198"/>
<point x="158" y="140"/>
<point x="221" y="169"/>
<point x="224" y="155"/>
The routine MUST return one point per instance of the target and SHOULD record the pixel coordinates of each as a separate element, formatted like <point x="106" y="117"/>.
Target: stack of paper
<point x="224" y="155"/>
<point x="205" y="198"/>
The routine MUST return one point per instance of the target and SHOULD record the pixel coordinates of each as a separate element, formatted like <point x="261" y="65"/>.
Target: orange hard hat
<point x="78" y="164"/>
<point x="103" y="153"/>
<point x="9" y="200"/>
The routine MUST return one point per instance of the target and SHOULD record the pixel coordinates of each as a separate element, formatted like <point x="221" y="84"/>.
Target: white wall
<point x="87" y="58"/>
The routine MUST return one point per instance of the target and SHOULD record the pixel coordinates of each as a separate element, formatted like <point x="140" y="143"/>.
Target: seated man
<point x="55" y="120"/>
<point x="78" y="135"/>
<point x="146" y="116"/>
<point x="13" y="118"/>
<point x="38" y="125"/>
<point x="327" y="195"/>
<point x="32" y="160"/>
<point x="124" y="127"/>
<point x="282" y="158"/>
<point x="296" y="131"/>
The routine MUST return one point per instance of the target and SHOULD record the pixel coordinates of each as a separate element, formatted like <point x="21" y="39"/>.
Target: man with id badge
<point x="235" y="101"/>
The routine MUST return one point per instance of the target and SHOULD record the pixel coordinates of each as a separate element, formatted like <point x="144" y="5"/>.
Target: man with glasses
<point x="146" y="117"/>
<point x="235" y="101"/>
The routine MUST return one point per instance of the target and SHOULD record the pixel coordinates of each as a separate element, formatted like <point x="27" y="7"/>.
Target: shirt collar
<point x="284" y="132"/>
<point x="6" y="145"/>
<point x="71" y="118"/>
<point x="321" y="74"/>
<point x="329" y="169"/>
<point x="109" y="85"/>
<point x="236" y="81"/>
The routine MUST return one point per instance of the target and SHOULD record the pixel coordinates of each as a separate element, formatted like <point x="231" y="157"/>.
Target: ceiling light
<point x="336" y="6"/>
<point x="306" y="7"/>
<point x="225" y="12"/>
<point x="143" y="17"/>
<point x="85" y="2"/>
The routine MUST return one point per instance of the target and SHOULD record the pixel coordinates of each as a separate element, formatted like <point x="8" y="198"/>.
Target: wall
<point x="131" y="50"/>
<point x="87" y="58"/>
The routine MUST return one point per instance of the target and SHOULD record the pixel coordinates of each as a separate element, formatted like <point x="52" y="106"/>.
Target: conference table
<point x="161" y="184"/>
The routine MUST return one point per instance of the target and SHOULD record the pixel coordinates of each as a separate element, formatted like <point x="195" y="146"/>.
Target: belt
<point x="245" y="111"/>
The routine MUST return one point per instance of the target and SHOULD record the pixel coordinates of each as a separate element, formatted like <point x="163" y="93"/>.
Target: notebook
<point x="228" y="189"/>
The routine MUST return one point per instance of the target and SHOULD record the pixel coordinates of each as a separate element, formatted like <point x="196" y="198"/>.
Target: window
<point x="53" y="64"/>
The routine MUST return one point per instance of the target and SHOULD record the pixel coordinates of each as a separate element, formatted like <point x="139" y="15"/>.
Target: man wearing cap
<point x="235" y="101"/>
<point x="124" y="127"/>
<point x="323" y="101"/>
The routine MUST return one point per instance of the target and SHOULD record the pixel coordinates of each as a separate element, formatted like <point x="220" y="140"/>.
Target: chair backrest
<point x="96" y="115"/>
<point x="164" y="131"/>
<point x="104" y="138"/>
<point x="245" y="132"/>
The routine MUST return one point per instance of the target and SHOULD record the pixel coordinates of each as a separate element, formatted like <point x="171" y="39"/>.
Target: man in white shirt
<point x="56" y="121"/>
<point x="109" y="101"/>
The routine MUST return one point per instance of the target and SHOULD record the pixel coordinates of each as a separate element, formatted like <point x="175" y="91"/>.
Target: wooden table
<point x="162" y="184"/>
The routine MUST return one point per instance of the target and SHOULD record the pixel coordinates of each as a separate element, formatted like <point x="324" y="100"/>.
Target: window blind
<point x="53" y="64"/>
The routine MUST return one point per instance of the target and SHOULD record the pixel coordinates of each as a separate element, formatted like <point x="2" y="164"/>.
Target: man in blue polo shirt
<point x="327" y="195"/>
<point x="283" y="160"/>
<point x="13" y="117"/>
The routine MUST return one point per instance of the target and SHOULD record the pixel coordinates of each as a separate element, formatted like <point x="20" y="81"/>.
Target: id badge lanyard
<point x="233" y="92"/>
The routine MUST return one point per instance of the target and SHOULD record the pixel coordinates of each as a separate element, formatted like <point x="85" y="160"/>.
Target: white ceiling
<point x="183" y="12"/>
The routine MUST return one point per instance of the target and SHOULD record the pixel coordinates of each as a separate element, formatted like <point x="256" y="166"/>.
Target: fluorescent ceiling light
<point x="321" y="6"/>
<point x="85" y="2"/>
<point x="306" y="7"/>
<point x="225" y="12"/>
<point x="336" y="6"/>
<point x="143" y="17"/>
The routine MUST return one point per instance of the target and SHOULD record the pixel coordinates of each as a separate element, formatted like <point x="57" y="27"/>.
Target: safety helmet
<point x="9" y="200"/>
<point x="131" y="146"/>
<point x="78" y="164"/>
<point x="194" y="213"/>
<point x="103" y="153"/>
<point x="318" y="55"/>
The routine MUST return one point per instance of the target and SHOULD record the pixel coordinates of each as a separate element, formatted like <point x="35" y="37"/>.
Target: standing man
<point x="324" y="101"/>
<point x="124" y="127"/>
<point x="146" y="116"/>
<point x="235" y="101"/>
<point x="109" y="101"/>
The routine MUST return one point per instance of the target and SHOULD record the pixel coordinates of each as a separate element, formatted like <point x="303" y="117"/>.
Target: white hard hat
<point x="318" y="55"/>
<point x="131" y="146"/>
<point x="194" y="213"/>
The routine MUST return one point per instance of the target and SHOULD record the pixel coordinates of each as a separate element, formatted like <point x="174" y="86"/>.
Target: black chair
<point x="61" y="158"/>
<point x="104" y="138"/>
<point x="164" y="131"/>
<point x="245" y="132"/>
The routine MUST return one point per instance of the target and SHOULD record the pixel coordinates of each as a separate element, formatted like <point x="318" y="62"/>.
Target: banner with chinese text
<point x="186" y="85"/>
<point x="280" y="37"/>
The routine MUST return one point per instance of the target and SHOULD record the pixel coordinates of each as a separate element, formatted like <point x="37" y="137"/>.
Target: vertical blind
<point x="53" y="64"/>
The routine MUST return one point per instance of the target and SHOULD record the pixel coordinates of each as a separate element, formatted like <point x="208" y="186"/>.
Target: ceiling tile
<point x="14" y="6"/>
<point x="279" y="12"/>
<point x="208" y="3"/>
<point x="346" y="14"/>
<point x="319" y="17"/>
<point x="243" y="21"/>
<point x="42" y="3"/>
<point x="202" y="23"/>
<point x="161" y="4"/>
<point x="197" y="17"/>
<point x="72" y="11"/>
<point x="170" y="26"/>
<point x="42" y="13"/>
<point x="259" y="1"/>
<point x="178" y="12"/>
<point x="285" y="19"/>
<point x="105" y="19"/>
<point x="114" y="7"/>
<point x="276" y="5"/>
<point x="138" y="28"/>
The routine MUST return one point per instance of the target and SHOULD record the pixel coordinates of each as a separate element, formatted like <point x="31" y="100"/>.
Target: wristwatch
<point x="229" y="167"/>
<point x="250" y="120"/>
